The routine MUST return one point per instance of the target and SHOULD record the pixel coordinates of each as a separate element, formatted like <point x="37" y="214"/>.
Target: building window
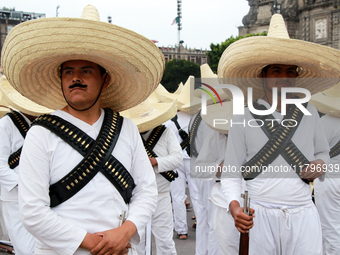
<point x="9" y="28"/>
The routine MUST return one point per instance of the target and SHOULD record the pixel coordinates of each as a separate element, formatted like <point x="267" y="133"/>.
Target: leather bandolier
<point x="192" y="134"/>
<point x="22" y="125"/>
<point x="97" y="157"/>
<point x="184" y="135"/>
<point x="335" y="151"/>
<point x="279" y="143"/>
<point x="150" y="144"/>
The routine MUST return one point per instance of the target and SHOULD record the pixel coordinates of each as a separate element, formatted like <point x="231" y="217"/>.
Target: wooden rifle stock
<point x="244" y="237"/>
<point x="7" y="248"/>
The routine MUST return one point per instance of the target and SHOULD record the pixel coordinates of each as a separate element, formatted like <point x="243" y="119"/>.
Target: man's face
<point x="82" y="82"/>
<point x="279" y="76"/>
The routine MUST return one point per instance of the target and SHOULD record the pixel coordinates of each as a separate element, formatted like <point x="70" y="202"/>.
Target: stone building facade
<point x="310" y="20"/>
<point x="194" y="55"/>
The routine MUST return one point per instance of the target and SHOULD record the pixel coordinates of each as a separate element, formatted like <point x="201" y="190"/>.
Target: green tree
<point x="176" y="72"/>
<point x="216" y="50"/>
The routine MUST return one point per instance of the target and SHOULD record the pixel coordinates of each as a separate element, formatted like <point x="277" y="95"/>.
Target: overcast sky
<point x="203" y="21"/>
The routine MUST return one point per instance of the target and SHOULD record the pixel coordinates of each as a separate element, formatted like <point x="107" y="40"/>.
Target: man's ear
<point x="107" y="80"/>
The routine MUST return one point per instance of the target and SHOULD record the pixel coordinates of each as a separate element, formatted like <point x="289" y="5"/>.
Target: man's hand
<point x="243" y="222"/>
<point x="313" y="170"/>
<point x="115" y="241"/>
<point x="153" y="161"/>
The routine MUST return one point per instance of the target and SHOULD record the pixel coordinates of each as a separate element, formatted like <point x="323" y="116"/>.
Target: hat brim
<point x="326" y="104"/>
<point x="34" y="50"/>
<point x="19" y="102"/>
<point x="218" y="117"/>
<point x="242" y="62"/>
<point x="162" y="113"/>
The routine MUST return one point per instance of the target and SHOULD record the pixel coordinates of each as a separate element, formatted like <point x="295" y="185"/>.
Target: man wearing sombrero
<point x="326" y="193"/>
<point x="165" y="155"/>
<point x="83" y="166"/>
<point x="13" y="129"/>
<point x="276" y="160"/>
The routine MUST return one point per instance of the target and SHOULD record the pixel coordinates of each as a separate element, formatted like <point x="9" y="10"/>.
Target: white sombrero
<point x="328" y="101"/>
<point x="149" y="115"/>
<point x="34" y="50"/>
<point x="244" y="59"/>
<point x="218" y="117"/>
<point x="20" y="103"/>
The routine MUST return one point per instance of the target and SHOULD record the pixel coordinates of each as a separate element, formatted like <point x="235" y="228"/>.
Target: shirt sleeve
<point x="174" y="158"/>
<point x="144" y="197"/>
<point x="34" y="181"/>
<point x="8" y="177"/>
<point x="235" y="156"/>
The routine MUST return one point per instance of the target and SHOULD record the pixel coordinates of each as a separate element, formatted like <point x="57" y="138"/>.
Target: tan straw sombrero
<point x="19" y="102"/>
<point x="149" y="115"/>
<point x="4" y="108"/>
<point x="328" y="101"/>
<point x="34" y="50"/>
<point x="164" y="95"/>
<point x="244" y="59"/>
<point x="218" y="117"/>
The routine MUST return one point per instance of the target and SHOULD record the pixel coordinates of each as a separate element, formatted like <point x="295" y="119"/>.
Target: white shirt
<point x="10" y="141"/>
<point x="331" y="126"/>
<point x="211" y="155"/>
<point x="245" y="142"/>
<point x="46" y="159"/>
<point x="169" y="157"/>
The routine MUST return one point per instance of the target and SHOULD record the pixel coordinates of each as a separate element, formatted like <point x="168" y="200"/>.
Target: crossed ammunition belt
<point x="279" y="143"/>
<point x="150" y="143"/>
<point x="22" y="125"/>
<point x="97" y="157"/>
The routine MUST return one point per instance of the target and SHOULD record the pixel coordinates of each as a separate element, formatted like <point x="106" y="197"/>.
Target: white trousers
<point x="206" y="243"/>
<point x="327" y="199"/>
<point x="178" y="196"/>
<point x="227" y="235"/>
<point x="22" y="241"/>
<point x="161" y="227"/>
<point x="286" y="231"/>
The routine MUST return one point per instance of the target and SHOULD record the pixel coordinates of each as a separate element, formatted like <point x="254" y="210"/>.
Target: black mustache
<point x="287" y="81"/>
<point x="78" y="85"/>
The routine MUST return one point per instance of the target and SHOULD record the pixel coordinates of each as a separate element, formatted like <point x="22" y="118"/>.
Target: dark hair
<point x="265" y="69"/>
<point x="101" y="69"/>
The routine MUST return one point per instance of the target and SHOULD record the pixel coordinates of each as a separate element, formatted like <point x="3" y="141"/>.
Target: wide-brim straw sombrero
<point x="328" y="101"/>
<point x="218" y="117"/>
<point x="164" y="95"/>
<point x="19" y="102"/>
<point x="242" y="62"/>
<point x="149" y="115"/>
<point x="34" y="50"/>
<point x="208" y="78"/>
<point x="4" y="108"/>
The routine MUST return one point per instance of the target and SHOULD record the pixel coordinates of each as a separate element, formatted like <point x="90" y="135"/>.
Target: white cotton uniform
<point x="169" y="157"/>
<point x="277" y="194"/>
<point x="10" y="141"/>
<point x="206" y="243"/>
<point x="178" y="186"/>
<point x="327" y="193"/>
<point x="46" y="159"/>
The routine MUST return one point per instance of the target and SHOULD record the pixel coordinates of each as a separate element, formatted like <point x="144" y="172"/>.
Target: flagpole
<point x="179" y="27"/>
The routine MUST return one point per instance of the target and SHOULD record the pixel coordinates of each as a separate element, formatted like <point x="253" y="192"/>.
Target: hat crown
<point x="277" y="27"/>
<point x="90" y="12"/>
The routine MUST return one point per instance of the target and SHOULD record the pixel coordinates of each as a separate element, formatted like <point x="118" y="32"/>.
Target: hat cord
<point x="94" y="101"/>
